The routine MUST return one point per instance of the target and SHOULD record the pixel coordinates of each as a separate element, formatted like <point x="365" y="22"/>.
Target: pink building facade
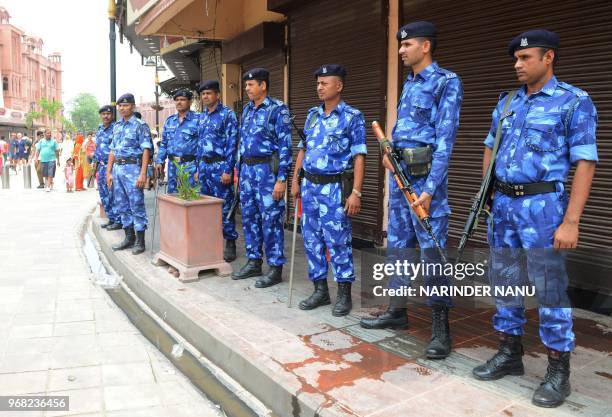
<point x="26" y="74"/>
<point x="147" y="109"/>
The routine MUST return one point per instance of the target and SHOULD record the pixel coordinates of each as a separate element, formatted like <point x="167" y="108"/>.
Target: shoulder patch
<point x="574" y="90"/>
<point x="448" y="74"/>
<point x="351" y="110"/>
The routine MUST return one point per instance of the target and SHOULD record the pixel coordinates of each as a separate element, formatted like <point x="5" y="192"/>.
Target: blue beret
<point x="208" y="85"/>
<point x="537" y="38"/>
<point x="260" y="74"/>
<point x="126" y="98"/>
<point x="182" y="92"/>
<point x="420" y="29"/>
<point x="138" y="115"/>
<point x="330" y="69"/>
<point x="105" y="109"/>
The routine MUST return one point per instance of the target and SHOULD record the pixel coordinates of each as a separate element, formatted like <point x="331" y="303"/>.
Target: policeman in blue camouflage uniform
<point x="179" y="142"/>
<point x="548" y="127"/>
<point x="334" y="151"/>
<point x="264" y="159"/>
<point x="104" y="136"/>
<point x="217" y="149"/>
<point x="427" y="123"/>
<point x="127" y="173"/>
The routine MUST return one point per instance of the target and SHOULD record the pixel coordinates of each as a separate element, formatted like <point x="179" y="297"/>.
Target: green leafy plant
<point x="186" y="191"/>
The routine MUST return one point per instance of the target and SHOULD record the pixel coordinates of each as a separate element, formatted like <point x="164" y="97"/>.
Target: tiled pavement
<point x="338" y="368"/>
<point x="60" y="334"/>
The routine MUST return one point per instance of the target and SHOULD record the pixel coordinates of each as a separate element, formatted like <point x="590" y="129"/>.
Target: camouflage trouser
<point x="521" y="235"/>
<point x="210" y="183"/>
<point x="262" y="216"/>
<point x="404" y="233"/>
<point x="190" y="167"/>
<point x="106" y="195"/>
<point x="129" y="200"/>
<point x="326" y="225"/>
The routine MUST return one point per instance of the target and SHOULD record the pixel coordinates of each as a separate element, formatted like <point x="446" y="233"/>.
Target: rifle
<point x="405" y="186"/>
<point x="485" y="193"/>
<point x="234" y="206"/>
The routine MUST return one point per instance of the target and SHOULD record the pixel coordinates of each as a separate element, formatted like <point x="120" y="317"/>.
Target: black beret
<point x="183" y="92"/>
<point x="138" y="115"/>
<point x="105" y="109"/>
<point x="330" y="69"/>
<point x="536" y="38"/>
<point x="126" y="98"/>
<point x="420" y="29"/>
<point x="260" y="74"/>
<point x="208" y="85"/>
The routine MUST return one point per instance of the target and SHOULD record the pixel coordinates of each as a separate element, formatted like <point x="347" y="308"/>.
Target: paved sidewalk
<point x="62" y="335"/>
<point x="300" y="363"/>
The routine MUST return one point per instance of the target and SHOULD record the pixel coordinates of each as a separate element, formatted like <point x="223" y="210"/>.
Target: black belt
<point x="322" y="179"/>
<point x="255" y="160"/>
<point x="519" y="190"/>
<point x="182" y="159"/>
<point x="127" y="161"/>
<point x="213" y="159"/>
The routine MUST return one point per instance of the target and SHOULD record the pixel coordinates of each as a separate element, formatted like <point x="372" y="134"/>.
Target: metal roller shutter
<point x="473" y="41"/>
<point x="331" y="32"/>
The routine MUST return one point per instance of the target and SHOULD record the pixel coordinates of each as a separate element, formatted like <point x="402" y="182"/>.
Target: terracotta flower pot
<point x="191" y="237"/>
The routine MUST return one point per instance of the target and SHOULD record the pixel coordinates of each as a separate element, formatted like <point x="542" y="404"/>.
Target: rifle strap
<point x="498" y="133"/>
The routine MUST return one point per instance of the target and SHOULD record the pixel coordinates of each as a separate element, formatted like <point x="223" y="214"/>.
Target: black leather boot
<point x="251" y="269"/>
<point x="114" y="226"/>
<point x="128" y="241"/>
<point x="272" y="277"/>
<point x="394" y="318"/>
<point x="320" y="296"/>
<point x="344" y="303"/>
<point x="556" y="386"/>
<point x="229" y="253"/>
<point x="440" y="345"/>
<point x="139" y="246"/>
<point x="507" y="361"/>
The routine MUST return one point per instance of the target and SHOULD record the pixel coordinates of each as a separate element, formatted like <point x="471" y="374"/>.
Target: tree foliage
<point x="84" y="114"/>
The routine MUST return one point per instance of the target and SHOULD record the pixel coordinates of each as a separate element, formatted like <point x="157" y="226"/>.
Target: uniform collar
<point x="132" y="118"/>
<point x="426" y="73"/>
<point x="110" y="126"/>
<point x="188" y="115"/>
<point x="548" y="89"/>
<point x="264" y="103"/>
<point x="216" y="110"/>
<point x="338" y="109"/>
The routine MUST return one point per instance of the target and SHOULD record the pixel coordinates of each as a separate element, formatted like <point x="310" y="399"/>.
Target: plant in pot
<point x="190" y="237"/>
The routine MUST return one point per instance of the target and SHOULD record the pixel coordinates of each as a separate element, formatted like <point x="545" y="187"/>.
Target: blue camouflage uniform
<point x="264" y="130"/>
<point x="332" y="141"/>
<point x="130" y="139"/>
<point x="104" y="137"/>
<point x="217" y="148"/>
<point x="179" y="139"/>
<point x="544" y="134"/>
<point x="427" y="114"/>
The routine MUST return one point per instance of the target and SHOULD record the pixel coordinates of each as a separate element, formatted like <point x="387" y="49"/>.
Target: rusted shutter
<point x="332" y="31"/>
<point x="273" y="62"/>
<point x="473" y="42"/>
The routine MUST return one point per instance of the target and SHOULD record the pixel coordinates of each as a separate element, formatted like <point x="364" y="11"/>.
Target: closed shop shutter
<point x="473" y="42"/>
<point x="326" y="32"/>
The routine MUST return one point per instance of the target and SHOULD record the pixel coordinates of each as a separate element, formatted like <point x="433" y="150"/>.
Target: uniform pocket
<point x="545" y="137"/>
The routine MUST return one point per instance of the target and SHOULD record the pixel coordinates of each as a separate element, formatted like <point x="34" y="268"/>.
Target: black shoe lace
<point x="554" y="373"/>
